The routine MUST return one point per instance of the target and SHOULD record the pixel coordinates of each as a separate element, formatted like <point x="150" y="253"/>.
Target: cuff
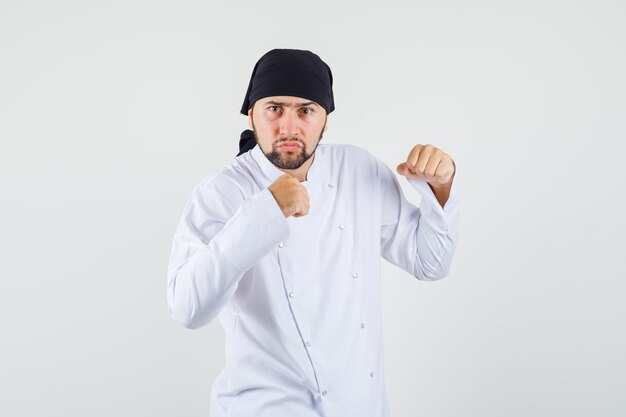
<point x="431" y="208"/>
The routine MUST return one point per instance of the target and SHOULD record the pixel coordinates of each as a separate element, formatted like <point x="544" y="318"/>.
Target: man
<point x="283" y="245"/>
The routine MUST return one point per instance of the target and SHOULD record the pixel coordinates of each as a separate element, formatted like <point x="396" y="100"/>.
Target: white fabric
<point x="299" y="298"/>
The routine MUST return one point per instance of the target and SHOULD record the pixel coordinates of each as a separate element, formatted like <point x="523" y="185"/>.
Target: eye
<point x="273" y="107"/>
<point x="310" y="110"/>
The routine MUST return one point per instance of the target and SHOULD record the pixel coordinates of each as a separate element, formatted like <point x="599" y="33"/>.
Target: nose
<point x="289" y="124"/>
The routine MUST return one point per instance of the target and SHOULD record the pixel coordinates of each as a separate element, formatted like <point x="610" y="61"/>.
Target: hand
<point x="428" y="163"/>
<point x="291" y="196"/>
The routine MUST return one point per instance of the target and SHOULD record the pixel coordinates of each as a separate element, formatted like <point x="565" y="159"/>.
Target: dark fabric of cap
<point x="287" y="72"/>
<point x="246" y="141"/>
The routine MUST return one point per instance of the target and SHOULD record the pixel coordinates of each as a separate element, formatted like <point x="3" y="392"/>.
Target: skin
<point x="279" y="119"/>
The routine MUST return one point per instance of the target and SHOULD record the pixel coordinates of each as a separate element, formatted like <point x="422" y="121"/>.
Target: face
<point x="287" y="129"/>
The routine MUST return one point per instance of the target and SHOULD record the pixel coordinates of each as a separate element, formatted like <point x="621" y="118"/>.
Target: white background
<point x="110" y="113"/>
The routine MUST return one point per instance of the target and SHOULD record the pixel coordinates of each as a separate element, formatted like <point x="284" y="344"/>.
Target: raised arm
<point x="213" y="248"/>
<point x="421" y="240"/>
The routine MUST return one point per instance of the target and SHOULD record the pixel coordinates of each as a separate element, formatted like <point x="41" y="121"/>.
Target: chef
<point x="284" y="244"/>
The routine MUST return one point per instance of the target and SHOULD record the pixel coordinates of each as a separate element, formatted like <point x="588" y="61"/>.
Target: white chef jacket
<point x="299" y="298"/>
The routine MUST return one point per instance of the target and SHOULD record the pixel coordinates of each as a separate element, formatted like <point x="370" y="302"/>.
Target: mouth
<point x="290" y="146"/>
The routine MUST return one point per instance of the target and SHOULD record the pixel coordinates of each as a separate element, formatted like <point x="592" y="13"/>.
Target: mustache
<point x="280" y="142"/>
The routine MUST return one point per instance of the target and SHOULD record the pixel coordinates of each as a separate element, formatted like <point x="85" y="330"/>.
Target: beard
<point x="285" y="159"/>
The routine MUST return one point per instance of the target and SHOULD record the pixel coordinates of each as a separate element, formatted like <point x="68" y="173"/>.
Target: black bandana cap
<point x="287" y="72"/>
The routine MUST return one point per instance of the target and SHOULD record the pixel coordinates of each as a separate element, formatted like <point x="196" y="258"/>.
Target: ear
<point x="250" y="118"/>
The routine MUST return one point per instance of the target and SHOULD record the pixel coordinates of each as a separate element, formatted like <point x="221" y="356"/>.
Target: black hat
<point x="291" y="72"/>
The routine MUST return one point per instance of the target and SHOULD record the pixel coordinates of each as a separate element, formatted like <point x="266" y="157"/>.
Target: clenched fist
<point x="291" y="196"/>
<point x="428" y="163"/>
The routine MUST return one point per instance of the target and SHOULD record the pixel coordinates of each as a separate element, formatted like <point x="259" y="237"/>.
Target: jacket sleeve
<point x="421" y="240"/>
<point x="219" y="237"/>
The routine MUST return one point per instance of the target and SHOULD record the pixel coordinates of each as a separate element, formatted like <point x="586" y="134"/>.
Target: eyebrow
<point x="279" y="103"/>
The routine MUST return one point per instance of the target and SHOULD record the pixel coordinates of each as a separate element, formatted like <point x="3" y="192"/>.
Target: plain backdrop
<point x="112" y="111"/>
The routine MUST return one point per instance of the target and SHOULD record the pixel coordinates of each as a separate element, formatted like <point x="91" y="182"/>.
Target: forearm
<point x="438" y="231"/>
<point x="437" y="238"/>
<point x="202" y="278"/>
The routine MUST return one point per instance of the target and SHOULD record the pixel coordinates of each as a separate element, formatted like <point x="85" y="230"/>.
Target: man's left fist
<point x="428" y="163"/>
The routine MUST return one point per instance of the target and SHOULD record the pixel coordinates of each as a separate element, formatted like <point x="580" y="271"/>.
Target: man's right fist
<point x="291" y="196"/>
